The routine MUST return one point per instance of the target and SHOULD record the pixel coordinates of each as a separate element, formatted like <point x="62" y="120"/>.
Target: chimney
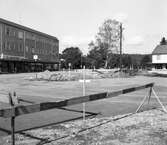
<point x="163" y="41"/>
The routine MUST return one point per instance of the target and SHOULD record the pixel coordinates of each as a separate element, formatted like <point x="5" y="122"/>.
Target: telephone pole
<point x="120" y="47"/>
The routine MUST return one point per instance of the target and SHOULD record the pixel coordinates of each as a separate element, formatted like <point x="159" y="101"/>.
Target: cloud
<point x="121" y="17"/>
<point x="135" y="40"/>
<point x="74" y="40"/>
<point x="68" y="40"/>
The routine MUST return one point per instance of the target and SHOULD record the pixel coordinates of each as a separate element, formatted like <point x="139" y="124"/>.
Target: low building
<point x="23" y="49"/>
<point x="159" y="55"/>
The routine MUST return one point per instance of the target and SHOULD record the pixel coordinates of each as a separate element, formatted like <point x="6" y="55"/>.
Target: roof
<point x="26" y="28"/>
<point x="160" y="49"/>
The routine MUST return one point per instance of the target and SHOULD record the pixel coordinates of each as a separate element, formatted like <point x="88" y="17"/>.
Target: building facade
<point x="25" y="50"/>
<point x="159" y="55"/>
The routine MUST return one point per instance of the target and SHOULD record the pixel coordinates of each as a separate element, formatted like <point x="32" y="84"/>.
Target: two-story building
<point x="159" y="56"/>
<point x="23" y="49"/>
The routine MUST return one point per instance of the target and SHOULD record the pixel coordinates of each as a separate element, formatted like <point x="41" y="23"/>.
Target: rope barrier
<point x="16" y="109"/>
<point x="32" y="108"/>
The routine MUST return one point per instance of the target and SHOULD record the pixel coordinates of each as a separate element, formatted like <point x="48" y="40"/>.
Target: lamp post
<point x="81" y="61"/>
<point x="61" y="61"/>
<point x="69" y="73"/>
<point x="35" y="57"/>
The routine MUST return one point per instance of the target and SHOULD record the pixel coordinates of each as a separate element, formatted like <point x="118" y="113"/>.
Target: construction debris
<point x="78" y="74"/>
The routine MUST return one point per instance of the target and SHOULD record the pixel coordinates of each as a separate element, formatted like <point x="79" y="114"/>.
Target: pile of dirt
<point x="65" y="75"/>
<point x="145" y="128"/>
<point x="77" y="75"/>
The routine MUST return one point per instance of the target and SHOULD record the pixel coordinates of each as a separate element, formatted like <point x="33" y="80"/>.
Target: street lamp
<point x="35" y="57"/>
<point x="61" y="61"/>
<point x="2" y="56"/>
<point x="81" y="61"/>
<point x="69" y="73"/>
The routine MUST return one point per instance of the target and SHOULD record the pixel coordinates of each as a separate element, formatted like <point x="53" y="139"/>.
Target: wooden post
<point x="13" y="130"/>
<point x="150" y="92"/>
<point x="12" y="120"/>
<point x="83" y="92"/>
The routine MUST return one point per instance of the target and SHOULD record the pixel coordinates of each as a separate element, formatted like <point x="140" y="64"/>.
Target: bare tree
<point x="108" y="38"/>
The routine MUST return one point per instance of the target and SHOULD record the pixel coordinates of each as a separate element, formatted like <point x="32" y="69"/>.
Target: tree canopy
<point x="73" y="56"/>
<point x="107" y="38"/>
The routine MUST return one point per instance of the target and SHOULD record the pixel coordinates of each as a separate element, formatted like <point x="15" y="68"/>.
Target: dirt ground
<point x="123" y="133"/>
<point x="145" y="128"/>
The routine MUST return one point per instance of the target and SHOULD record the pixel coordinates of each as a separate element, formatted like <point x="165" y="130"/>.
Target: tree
<point x="145" y="61"/>
<point x="108" y="38"/>
<point x="113" y="61"/>
<point x="96" y="56"/>
<point x="126" y="61"/>
<point x="73" y="56"/>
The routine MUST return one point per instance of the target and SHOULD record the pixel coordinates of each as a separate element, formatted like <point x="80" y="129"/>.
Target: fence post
<point x="83" y="92"/>
<point x="13" y="130"/>
<point x="150" y="92"/>
<point x="12" y="120"/>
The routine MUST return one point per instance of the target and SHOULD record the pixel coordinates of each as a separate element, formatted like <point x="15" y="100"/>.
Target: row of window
<point x="11" y="46"/>
<point x="14" y="33"/>
<point x="39" y="51"/>
<point x="19" y="47"/>
<point x="9" y="31"/>
<point x="42" y="45"/>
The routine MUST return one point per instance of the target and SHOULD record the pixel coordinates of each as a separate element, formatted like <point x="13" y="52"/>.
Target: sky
<point x="76" y="22"/>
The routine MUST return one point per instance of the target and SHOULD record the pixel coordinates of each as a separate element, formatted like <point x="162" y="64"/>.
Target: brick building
<point x="25" y="50"/>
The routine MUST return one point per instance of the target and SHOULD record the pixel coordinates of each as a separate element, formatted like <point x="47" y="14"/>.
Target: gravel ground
<point x="144" y="128"/>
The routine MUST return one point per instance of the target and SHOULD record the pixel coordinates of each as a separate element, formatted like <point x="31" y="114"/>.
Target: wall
<point x="159" y="58"/>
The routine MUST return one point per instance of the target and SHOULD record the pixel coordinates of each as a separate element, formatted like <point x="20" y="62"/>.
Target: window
<point x="20" y="35"/>
<point x="14" y="33"/>
<point x="14" y="46"/>
<point x="4" y="45"/>
<point x="7" y="31"/>
<point x="158" y="57"/>
<point x="26" y="48"/>
<point x="33" y="50"/>
<point x="20" y="47"/>
<point x="8" y="46"/>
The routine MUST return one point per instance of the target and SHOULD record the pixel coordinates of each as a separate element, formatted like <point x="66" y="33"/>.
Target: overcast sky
<point x="76" y="22"/>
